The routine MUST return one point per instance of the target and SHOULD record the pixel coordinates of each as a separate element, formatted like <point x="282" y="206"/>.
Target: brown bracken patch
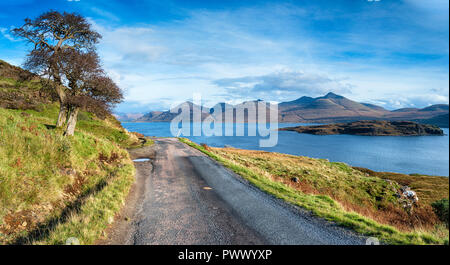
<point x="75" y="188"/>
<point x="109" y="160"/>
<point x="16" y="222"/>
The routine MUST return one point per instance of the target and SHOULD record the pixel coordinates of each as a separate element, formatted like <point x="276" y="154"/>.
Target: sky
<point x="394" y="53"/>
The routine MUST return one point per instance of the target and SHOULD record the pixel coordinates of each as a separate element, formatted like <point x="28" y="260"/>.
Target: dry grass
<point x="428" y="188"/>
<point x="370" y="196"/>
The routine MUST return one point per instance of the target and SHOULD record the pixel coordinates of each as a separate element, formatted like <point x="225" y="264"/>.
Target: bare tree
<point x="52" y="33"/>
<point x="88" y="87"/>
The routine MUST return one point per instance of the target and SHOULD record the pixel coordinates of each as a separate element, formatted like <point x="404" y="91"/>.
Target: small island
<point x="371" y="128"/>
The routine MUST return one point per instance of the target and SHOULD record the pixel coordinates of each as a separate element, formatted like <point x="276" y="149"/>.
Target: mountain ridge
<point x="330" y="108"/>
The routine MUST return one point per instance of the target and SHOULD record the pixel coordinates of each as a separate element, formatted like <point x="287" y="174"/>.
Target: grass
<point x="54" y="187"/>
<point x="336" y="192"/>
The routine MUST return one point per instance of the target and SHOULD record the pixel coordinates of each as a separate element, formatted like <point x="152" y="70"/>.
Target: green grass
<point x="96" y="212"/>
<point x="270" y="174"/>
<point x="53" y="187"/>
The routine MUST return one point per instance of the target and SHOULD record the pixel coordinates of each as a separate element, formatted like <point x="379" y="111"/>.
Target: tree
<point x="88" y="87"/>
<point x="52" y="33"/>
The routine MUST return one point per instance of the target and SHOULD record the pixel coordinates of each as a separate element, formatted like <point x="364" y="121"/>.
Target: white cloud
<point x="285" y="83"/>
<point x="411" y="101"/>
<point x="5" y="33"/>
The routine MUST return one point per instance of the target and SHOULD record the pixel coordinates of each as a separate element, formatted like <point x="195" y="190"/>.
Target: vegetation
<point x="428" y="188"/>
<point x="53" y="187"/>
<point x="441" y="209"/>
<point x="336" y="192"/>
<point x="20" y="89"/>
<point x="370" y="128"/>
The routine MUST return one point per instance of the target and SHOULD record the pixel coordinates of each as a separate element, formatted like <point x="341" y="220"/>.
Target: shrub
<point x="441" y="209"/>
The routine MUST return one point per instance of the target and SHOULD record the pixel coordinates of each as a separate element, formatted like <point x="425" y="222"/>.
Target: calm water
<point x="411" y="154"/>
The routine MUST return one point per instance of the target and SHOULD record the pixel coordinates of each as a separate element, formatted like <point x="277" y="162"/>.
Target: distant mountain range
<point x="330" y="108"/>
<point x="127" y="116"/>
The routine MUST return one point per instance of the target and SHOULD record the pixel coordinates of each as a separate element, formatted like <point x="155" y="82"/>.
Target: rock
<point x="407" y="197"/>
<point x="404" y="188"/>
<point x="411" y="195"/>
<point x="295" y="180"/>
<point x="70" y="171"/>
<point x="111" y="220"/>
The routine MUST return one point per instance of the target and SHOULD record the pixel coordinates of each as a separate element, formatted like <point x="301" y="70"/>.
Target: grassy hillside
<point x="366" y="203"/>
<point x="72" y="186"/>
<point x="54" y="187"/>
<point x="20" y="89"/>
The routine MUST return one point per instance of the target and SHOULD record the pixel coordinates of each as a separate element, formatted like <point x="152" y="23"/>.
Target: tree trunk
<point x="72" y="122"/>
<point x="62" y="117"/>
<point x="63" y="110"/>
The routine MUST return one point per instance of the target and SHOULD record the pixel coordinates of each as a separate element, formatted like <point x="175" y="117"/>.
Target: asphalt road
<point x="185" y="197"/>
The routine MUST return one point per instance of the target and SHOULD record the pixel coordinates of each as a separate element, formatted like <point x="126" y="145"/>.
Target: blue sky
<point x="391" y="53"/>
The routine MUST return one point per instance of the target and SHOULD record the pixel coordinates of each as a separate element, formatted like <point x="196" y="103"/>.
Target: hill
<point x="54" y="187"/>
<point x="20" y="89"/>
<point x="439" y="120"/>
<point x="427" y="113"/>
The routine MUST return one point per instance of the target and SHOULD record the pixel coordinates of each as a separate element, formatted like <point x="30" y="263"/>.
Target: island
<point x="371" y="128"/>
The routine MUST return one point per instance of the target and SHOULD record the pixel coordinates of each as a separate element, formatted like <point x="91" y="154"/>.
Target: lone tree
<point x="88" y="87"/>
<point x="51" y="34"/>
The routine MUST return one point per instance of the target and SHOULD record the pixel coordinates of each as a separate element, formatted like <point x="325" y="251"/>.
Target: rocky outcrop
<point x="408" y="198"/>
<point x="371" y="128"/>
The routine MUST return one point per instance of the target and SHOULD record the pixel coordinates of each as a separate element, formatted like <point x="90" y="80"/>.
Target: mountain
<point x="440" y="120"/>
<point x="124" y="117"/>
<point x="427" y="114"/>
<point x="225" y="108"/>
<point x="375" y="107"/>
<point x="166" y="116"/>
<point x="295" y="103"/>
<point x="331" y="108"/>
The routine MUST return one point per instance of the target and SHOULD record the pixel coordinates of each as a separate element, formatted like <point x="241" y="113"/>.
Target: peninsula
<point x="371" y="128"/>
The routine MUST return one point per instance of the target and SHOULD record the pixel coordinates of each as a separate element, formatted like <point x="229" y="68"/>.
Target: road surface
<point x="184" y="197"/>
